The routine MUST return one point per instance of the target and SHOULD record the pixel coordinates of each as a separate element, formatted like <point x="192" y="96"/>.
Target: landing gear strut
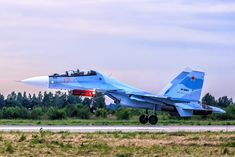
<point x="92" y="108"/>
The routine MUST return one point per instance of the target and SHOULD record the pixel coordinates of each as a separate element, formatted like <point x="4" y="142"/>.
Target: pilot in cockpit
<point x="75" y="73"/>
<point x="67" y="73"/>
<point x="78" y="71"/>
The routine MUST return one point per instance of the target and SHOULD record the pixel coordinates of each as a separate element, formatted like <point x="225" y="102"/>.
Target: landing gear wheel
<point x="143" y="119"/>
<point x="93" y="109"/>
<point x="153" y="120"/>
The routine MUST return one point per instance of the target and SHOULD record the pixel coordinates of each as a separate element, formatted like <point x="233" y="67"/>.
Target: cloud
<point x="156" y="37"/>
<point x="175" y="21"/>
<point x="186" y="7"/>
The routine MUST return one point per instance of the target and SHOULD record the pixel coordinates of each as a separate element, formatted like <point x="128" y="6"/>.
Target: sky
<point x="144" y="43"/>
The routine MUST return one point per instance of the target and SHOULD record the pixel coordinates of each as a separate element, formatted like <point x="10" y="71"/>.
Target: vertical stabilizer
<point x="187" y="85"/>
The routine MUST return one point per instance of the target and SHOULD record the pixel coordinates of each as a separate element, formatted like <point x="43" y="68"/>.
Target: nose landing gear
<point x="93" y="110"/>
<point x="91" y="106"/>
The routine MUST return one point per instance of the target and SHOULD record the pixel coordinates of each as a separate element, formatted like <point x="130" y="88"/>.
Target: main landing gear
<point x="144" y="119"/>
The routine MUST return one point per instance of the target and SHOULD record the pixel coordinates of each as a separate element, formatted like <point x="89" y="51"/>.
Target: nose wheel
<point x="93" y="110"/>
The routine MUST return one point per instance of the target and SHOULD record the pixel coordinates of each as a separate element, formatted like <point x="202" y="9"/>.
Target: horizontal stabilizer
<point x="188" y="110"/>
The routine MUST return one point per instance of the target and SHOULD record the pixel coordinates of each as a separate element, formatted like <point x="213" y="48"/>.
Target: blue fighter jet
<point x="180" y="98"/>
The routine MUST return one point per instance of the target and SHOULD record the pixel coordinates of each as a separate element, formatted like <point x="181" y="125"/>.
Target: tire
<point x="153" y="120"/>
<point x="93" y="110"/>
<point x="143" y="119"/>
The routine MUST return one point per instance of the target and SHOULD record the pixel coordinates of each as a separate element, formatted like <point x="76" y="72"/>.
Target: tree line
<point x="224" y="102"/>
<point x="61" y="105"/>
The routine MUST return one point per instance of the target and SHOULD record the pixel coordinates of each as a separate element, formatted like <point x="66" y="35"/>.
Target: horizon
<point x="141" y="43"/>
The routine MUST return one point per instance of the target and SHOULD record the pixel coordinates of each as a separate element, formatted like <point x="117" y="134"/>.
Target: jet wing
<point x="147" y="97"/>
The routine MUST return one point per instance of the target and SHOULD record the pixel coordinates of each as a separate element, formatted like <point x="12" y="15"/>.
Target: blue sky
<point x="142" y="43"/>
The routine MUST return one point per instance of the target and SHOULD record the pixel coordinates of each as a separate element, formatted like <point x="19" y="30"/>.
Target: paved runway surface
<point x="90" y="129"/>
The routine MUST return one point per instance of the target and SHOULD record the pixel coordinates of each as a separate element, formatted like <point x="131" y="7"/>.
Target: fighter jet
<point x="180" y="98"/>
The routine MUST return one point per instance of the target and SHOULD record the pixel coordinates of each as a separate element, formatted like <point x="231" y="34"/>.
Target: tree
<point x="230" y="112"/>
<point x="14" y="113"/>
<point x="99" y="100"/>
<point x="48" y="99"/>
<point x="37" y="113"/>
<point x="224" y="101"/>
<point x="19" y="98"/>
<point x="123" y="114"/>
<point x="2" y="101"/>
<point x="208" y="99"/>
<point x="59" y="99"/>
<point x="71" y="99"/>
<point x="101" y="112"/>
<point x="71" y="110"/>
<point x="40" y="97"/>
<point x="54" y="114"/>
<point x="11" y="100"/>
<point x="34" y="102"/>
<point x="83" y="112"/>
<point x="25" y="102"/>
<point x="6" y="113"/>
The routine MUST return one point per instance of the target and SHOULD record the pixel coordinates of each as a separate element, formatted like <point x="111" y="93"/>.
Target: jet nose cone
<point x="40" y="81"/>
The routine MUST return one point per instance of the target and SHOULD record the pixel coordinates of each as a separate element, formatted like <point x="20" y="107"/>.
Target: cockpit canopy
<point x="72" y="73"/>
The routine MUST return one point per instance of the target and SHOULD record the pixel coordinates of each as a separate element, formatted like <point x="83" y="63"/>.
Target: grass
<point x="9" y="148"/>
<point x="107" y="122"/>
<point x="22" y="138"/>
<point x="117" y="144"/>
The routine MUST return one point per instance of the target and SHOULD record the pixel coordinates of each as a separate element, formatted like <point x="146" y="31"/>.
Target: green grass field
<point x="117" y="144"/>
<point x="75" y="122"/>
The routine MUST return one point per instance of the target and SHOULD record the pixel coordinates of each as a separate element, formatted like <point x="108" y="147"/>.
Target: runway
<point x="92" y="129"/>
